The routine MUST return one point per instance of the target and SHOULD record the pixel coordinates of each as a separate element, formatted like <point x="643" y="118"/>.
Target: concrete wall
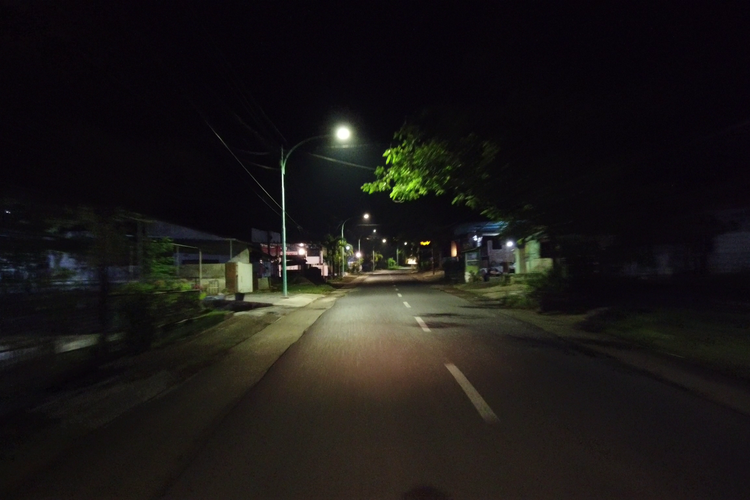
<point x="498" y="255"/>
<point x="232" y="276"/>
<point x="239" y="277"/>
<point x="243" y="256"/>
<point x="529" y="260"/>
<point x="211" y="272"/>
<point x="471" y="265"/>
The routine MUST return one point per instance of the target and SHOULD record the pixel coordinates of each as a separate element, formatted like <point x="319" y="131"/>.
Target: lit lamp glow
<point x="341" y="134"/>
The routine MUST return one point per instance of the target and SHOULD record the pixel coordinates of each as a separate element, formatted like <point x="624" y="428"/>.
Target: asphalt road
<point x="401" y="390"/>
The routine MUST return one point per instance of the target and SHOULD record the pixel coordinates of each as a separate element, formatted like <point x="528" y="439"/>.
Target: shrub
<point x="551" y="289"/>
<point x="144" y="307"/>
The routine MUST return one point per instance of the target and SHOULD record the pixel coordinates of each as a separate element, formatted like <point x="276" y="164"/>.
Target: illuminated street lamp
<point x="343" y="254"/>
<point x="342" y="134"/>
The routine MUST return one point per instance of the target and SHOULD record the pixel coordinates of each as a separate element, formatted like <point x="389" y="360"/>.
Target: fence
<point x="81" y="312"/>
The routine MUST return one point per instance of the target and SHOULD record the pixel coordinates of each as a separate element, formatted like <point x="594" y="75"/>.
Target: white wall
<point x="244" y="277"/>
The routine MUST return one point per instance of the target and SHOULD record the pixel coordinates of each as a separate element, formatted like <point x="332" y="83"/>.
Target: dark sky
<point x="111" y="102"/>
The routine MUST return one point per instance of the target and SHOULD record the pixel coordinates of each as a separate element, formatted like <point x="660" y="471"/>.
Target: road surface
<point x="401" y="390"/>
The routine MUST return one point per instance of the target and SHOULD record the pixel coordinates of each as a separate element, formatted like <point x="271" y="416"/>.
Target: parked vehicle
<point x="491" y="271"/>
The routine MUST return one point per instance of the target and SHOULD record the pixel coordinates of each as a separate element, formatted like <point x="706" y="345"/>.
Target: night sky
<point x="114" y="102"/>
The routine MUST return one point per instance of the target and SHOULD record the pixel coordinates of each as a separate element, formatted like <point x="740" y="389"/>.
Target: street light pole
<point x="342" y="134"/>
<point x="343" y="246"/>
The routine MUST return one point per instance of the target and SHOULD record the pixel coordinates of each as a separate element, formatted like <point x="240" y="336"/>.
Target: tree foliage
<point x="580" y="165"/>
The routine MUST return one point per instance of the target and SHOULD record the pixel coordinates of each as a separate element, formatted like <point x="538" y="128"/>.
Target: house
<point x="476" y="246"/>
<point x="218" y="264"/>
<point x="532" y="255"/>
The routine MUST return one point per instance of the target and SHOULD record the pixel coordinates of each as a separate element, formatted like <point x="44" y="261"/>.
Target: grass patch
<point x="177" y="332"/>
<point x="510" y="296"/>
<point x="518" y="301"/>
<point x="720" y="340"/>
<point x="310" y="288"/>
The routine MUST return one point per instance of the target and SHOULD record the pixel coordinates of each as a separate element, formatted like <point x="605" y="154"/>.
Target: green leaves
<point x="420" y="165"/>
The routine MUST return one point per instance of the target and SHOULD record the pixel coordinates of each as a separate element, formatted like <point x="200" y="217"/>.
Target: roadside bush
<point x="598" y="320"/>
<point x="143" y="308"/>
<point x="518" y="301"/>
<point x="553" y="291"/>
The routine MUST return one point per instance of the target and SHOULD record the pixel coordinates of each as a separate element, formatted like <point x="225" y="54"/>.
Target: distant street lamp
<point x="343" y="254"/>
<point x="342" y="134"/>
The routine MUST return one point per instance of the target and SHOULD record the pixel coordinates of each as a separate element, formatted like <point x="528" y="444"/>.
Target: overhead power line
<point x="334" y="160"/>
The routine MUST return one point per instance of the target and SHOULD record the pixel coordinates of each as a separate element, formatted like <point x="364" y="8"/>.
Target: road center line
<point x="407" y="305"/>
<point x="400" y="295"/>
<point x="422" y="323"/>
<point x="476" y="399"/>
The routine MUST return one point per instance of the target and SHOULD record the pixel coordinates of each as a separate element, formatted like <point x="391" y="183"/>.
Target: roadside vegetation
<point x="300" y="284"/>
<point x="701" y="325"/>
<point x="712" y="338"/>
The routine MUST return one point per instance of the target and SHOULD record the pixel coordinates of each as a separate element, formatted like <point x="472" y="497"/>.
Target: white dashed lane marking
<point x="476" y="399"/>
<point x="422" y="323"/>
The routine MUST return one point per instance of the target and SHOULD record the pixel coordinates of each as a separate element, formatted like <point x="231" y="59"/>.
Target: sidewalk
<point x="277" y="299"/>
<point x="155" y="409"/>
<point x="429" y="276"/>
<point x="727" y="391"/>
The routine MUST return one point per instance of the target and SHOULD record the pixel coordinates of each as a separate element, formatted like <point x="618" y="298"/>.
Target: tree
<point x="158" y="259"/>
<point x="333" y="246"/>
<point x="559" y="167"/>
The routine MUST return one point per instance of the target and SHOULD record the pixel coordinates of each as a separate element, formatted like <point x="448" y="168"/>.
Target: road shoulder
<point x="156" y="436"/>
<point x="727" y="391"/>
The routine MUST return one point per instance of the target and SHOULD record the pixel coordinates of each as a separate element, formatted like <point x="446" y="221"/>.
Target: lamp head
<point x="343" y="133"/>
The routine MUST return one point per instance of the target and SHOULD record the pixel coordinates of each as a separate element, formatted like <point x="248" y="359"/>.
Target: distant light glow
<point x="301" y="251"/>
<point x="358" y="255"/>
<point x="509" y="244"/>
<point x="374" y="230"/>
<point x="348" y="247"/>
<point x="383" y="240"/>
<point x="411" y="261"/>
<point x="366" y="216"/>
<point x="343" y="133"/>
<point x="405" y="243"/>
